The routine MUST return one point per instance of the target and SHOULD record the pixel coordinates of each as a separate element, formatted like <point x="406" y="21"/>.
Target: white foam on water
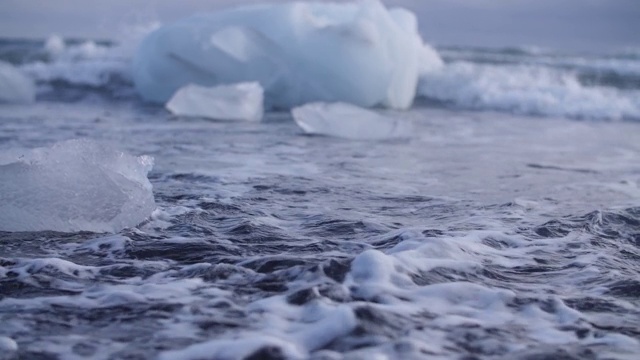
<point x="526" y="89"/>
<point x="55" y="45"/>
<point x="110" y="247"/>
<point x="312" y="326"/>
<point x="138" y="290"/>
<point x="15" y="87"/>
<point x="388" y="280"/>
<point x="26" y="267"/>
<point x="425" y="233"/>
<point x="159" y="288"/>
<point x="76" y="185"/>
<point x="77" y="347"/>
<point x="295" y="331"/>
<point x="234" y="349"/>
<point x="243" y="101"/>
<point x="88" y="63"/>
<point x="619" y="63"/>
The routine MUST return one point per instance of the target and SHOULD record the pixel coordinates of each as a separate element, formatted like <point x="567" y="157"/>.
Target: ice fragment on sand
<point x="358" y="52"/>
<point x="76" y="185"/>
<point x="15" y="87"/>
<point x="349" y="121"/>
<point x="225" y="102"/>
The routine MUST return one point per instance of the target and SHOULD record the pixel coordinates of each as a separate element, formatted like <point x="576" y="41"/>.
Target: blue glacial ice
<point x="350" y="122"/>
<point x="242" y="101"/>
<point x="300" y="52"/>
<point x="8" y="345"/>
<point x="76" y="185"/>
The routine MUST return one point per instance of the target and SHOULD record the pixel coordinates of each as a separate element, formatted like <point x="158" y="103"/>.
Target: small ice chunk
<point x="7" y="344"/>
<point x="349" y="121"/>
<point x="76" y="185"/>
<point x="242" y="101"/>
<point x="15" y="87"/>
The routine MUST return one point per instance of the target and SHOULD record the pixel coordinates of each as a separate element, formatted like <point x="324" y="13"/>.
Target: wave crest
<point x="526" y="89"/>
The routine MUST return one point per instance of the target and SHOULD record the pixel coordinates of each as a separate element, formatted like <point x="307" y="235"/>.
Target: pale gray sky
<point x="574" y="24"/>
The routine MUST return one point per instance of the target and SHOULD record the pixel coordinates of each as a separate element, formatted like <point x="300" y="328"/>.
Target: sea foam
<point x="526" y="89"/>
<point x="85" y="64"/>
<point x="15" y="87"/>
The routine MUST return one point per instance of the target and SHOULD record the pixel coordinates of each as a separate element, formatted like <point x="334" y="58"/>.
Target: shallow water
<point x="484" y="235"/>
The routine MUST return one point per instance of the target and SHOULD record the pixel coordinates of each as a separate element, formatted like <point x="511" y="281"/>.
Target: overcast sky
<point x="574" y="24"/>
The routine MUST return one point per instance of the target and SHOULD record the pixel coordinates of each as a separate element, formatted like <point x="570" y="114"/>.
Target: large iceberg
<point x="15" y="87"/>
<point x="242" y="101"/>
<point x="359" y="52"/>
<point x="76" y="185"/>
<point x="349" y="122"/>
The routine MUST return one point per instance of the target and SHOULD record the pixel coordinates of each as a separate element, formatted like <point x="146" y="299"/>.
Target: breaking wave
<point x="527" y="89"/>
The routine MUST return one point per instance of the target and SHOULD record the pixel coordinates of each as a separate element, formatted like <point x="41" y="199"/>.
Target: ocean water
<point x="507" y="226"/>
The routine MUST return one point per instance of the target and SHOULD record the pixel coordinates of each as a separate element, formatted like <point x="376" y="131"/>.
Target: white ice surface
<point x="7" y="344"/>
<point x="15" y="87"/>
<point x="349" y="121"/>
<point x="76" y="185"/>
<point x="300" y="52"/>
<point x="243" y="101"/>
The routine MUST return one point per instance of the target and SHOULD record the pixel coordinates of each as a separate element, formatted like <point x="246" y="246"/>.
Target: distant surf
<point x="529" y="81"/>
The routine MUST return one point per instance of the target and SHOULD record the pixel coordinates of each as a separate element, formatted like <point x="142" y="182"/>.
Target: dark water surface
<point x="484" y="235"/>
